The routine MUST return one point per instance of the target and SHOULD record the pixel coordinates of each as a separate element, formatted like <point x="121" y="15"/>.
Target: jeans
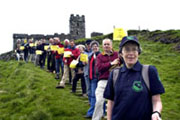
<point x="88" y="89"/>
<point x="59" y="63"/>
<point x="100" y="100"/>
<point x="42" y="59"/>
<point x="51" y="62"/>
<point x="26" y="56"/>
<point x="32" y="57"/>
<point x="93" y="86"/>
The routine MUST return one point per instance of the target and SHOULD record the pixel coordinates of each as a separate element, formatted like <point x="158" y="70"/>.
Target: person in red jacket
<point x="74" y="53"/>
<point x="59" y="58"/>
<point x="105" y="62"/>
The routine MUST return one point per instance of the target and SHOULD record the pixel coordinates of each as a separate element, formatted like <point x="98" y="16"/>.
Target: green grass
<point x="167" y="62"/>
<point x="28" y="92"/>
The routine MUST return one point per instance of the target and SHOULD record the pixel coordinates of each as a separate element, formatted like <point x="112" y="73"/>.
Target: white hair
<point x="107" y="39"/>
<point x="66" y="40"/>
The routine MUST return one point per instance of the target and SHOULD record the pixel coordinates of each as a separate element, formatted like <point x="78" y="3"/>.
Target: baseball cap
<point x="127" y="39"/>
<point x="88" y="41"/>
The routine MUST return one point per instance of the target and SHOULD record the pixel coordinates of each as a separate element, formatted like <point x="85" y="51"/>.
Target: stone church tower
<point x="77" y="26"/>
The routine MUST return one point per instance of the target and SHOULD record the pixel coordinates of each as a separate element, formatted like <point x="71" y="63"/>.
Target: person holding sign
<point x="37" y="56"/>
<point x="17" y="50"/>
<point x="43" y="55"/>
<point x="50" y="57"/>
<point x="67" y="60"/>
<point x="31" y="50"/>
<point x="59" y="58"/>
<point x="79" y="74"/>
<point x="25" y="44"/>
<point x="38" y="52"/>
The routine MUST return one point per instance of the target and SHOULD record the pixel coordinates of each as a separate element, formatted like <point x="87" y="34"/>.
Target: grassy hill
<point x="28" y="92"/>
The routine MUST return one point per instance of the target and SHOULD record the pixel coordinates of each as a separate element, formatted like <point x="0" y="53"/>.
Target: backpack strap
<point x="116" y="74"/>
<point x="145" y="75"/>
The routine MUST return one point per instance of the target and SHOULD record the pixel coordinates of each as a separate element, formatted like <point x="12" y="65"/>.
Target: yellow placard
<point x="22" y="48"/>
<point x="46" y="47"/>
<point x="60" y="50"/>
<point x="119" y="33"/>
<point x="38" y="52"/>
<point x="73" y="64"/>
<point x="67" y="54"/>
<point x="31" y="44"/>
<point x="84" y="57"/>
<point x="54" y="47"/>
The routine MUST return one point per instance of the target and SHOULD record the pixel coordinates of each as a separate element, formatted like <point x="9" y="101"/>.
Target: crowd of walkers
<point x="129" y="97"/>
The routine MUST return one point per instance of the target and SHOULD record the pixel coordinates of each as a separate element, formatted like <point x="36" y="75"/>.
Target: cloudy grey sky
<point x="50" y="16"/>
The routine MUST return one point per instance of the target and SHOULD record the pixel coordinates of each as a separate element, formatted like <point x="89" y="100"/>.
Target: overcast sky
<point x="52" y="16"/>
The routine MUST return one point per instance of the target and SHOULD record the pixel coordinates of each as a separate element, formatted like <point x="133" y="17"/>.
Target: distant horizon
<point x="52" y="16"/>
<point x="86" y="37"/>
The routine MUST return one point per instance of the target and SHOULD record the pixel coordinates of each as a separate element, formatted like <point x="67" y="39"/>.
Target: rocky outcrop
<point x="167" y="37"/>
<point x="7" y="56"/>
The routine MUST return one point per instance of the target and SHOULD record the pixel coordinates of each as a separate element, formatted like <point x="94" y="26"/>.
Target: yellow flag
<point x="67" y="54"/>
<point x="60" y="50"/>
<point x="84" y="57"/>
<point x="38" y="52"/>
<point x="46" y="47"/>
<point x="31" y="44"/>
<point x="22" y="48"/>
<point x="119" y="33"/>
<point x="54" y="47"/>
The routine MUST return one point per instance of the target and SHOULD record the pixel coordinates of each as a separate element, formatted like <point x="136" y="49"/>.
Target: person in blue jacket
<point x="92" y="77"/>
<point x="129" y="98"/>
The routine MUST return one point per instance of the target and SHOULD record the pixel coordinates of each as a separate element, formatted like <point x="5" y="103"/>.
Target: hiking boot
<point x="73" y="92"/>
<point x="84" y="95"/>
<point x="58" y="86"/>
<point x="57" y="76"/>
<point x="87" y="117"/>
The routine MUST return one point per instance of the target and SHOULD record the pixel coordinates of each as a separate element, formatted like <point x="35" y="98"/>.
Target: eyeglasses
<point x="128" y="50"/>
<point x="106" y="44"/>
<point x="94" y="46"/>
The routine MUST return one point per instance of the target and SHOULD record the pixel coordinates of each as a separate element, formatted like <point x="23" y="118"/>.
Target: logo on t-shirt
<point x="137" y="86"/>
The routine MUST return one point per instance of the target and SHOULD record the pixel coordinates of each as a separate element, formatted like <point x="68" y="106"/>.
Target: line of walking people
<point x="126" y="97"/>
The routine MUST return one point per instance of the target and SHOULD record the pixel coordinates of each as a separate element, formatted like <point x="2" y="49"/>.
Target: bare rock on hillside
<point x="7" y="56"/>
